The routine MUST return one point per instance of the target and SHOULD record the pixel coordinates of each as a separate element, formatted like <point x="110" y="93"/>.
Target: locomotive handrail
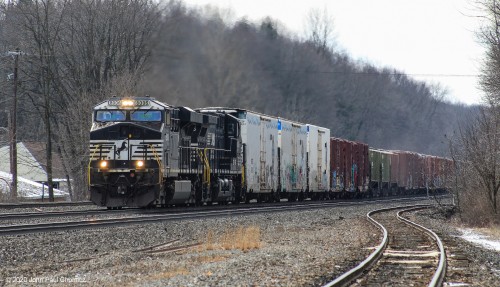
<point x="206" y="165"/>
<point x="242" y="175"/>
<point x="90" y="161"/>
<point x="158" y="160"/>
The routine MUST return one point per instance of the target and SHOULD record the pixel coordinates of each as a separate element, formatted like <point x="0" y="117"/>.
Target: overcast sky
<point x="432" y="40"/>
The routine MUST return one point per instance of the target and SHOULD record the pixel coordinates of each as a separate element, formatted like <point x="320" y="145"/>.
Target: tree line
<point x="79" y="52"/>
<point x="475" y="147"/>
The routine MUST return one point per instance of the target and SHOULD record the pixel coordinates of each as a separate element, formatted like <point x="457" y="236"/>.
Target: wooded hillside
<point x="201" y="61"/>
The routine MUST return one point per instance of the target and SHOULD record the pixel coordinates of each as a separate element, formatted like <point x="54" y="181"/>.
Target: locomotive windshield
<point x="145" y="116"/>
<point x="134" y="116"/>
<point x="110" y="116"/>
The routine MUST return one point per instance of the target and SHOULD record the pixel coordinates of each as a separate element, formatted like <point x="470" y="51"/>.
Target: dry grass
<point x="493" y="232"/>
<point x="242" y="238"/>
<point x="211" y="259"/>
<point x="476" y="210"/>
<point x="170" y="273"/>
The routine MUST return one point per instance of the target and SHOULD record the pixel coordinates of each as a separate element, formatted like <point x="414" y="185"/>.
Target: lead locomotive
<point x="144" y="152"/>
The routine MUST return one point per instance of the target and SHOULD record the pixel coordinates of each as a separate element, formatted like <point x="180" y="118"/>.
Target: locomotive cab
<point x="126" y="144"/>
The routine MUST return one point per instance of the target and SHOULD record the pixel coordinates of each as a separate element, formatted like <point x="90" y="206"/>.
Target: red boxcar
<point x="335" y="165"/>
<point x="420" y="171"/>
<point x="429" y="173"/>
<point x="348" y="153"/>
<point x="404" y="170"/>
<point x="367" y="167"/>
<point x="363" y="167"/>
<point x="349" y="166"/>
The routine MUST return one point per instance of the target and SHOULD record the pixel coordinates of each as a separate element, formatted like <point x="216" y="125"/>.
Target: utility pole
<point x="13" y="129"/>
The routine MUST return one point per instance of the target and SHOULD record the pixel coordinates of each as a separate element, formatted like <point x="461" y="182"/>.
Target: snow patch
<point x="27" y="188"/>
<point x="473" y="236"/>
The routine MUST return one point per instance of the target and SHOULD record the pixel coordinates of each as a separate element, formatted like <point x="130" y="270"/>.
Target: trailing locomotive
<point x="147" y="153"/>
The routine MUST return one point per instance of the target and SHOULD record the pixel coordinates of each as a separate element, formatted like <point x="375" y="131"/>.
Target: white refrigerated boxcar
<point x="318" y="146"/>
<point x="292" y="141"/>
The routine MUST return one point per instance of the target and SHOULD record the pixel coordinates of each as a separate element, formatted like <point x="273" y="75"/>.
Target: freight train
<point x="146" y="153"/>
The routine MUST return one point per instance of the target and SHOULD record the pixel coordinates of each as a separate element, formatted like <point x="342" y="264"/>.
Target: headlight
<point x="127" y="103"/>
<point x="139" y="164"/>
<point x="103" y="164"/>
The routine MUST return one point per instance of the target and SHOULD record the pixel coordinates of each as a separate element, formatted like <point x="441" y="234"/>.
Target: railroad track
<point x="15" y="229"/>
<point x="70" y="213"/>
<point x="459" y="268"/>
<point x="43" y="204"/>
<point x="409" y="254"/>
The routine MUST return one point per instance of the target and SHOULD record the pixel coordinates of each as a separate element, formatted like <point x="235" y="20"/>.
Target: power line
<point x="444" y="75"/>
<point x="376" y="73"/>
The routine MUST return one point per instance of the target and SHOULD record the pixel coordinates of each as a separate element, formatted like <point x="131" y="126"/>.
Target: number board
<point x="136" y="103"/>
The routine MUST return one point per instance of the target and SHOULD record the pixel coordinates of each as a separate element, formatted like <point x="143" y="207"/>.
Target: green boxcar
<point x="386" y="167"/>
<point x="380" y="170"/>
<point x="376" y="167"/>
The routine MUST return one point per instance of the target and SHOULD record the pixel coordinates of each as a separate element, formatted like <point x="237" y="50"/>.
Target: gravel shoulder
<point x="484" y="264"/>
<point x="306" y="248"/>
<point x="294" y="249"/>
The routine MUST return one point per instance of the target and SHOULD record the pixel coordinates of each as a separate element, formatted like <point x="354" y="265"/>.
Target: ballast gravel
<point x="302" y="248"/>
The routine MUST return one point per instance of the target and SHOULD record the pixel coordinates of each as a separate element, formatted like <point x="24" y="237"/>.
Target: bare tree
<point x="75" y="49"/>
<point x="481" y="138"/>
<point x="320" y="30"/>
<point x="41" y="23"/>
<point x="480" y="143"/>
<point x="102" y="40"/>
<point x="490" y="35"/>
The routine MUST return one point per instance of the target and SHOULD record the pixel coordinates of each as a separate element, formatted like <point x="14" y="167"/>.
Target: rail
<point x="357" y="271"/>
<point x="231" y="210"/>
<point x="437" y="279"/>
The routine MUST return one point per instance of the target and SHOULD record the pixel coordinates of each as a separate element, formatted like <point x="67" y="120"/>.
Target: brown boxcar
<point x="348" y="153"/>
<point x="335" y="165"/>
<point x="420" y="171"/>
<point x="360" y="167"/>
<point x="429" y="173"/>
<point x="367" y="166"/>
<point x="405" y="170"/>
<point x="349" y="166"/>
<point x="394" y="172"/>
<point x="414" y="171"/>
